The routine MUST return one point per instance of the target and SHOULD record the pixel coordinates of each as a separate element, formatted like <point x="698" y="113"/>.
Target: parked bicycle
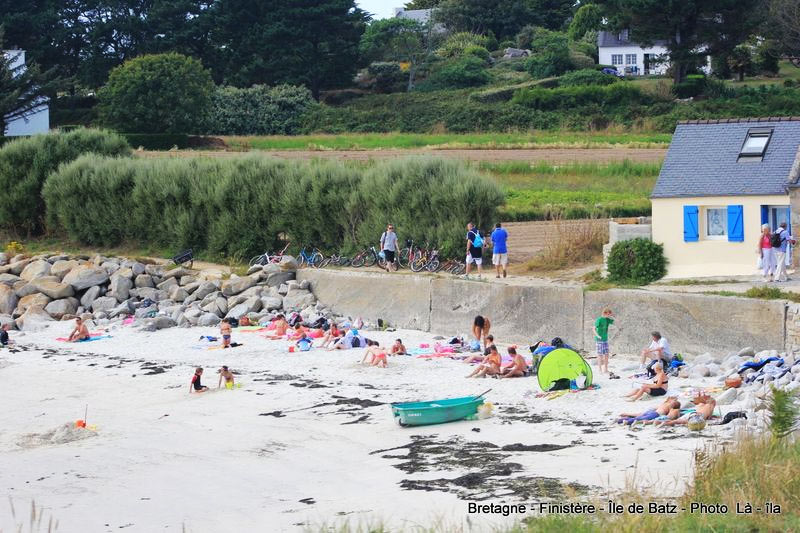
<point x="434" y="262"/>
<point x="368" y="258"/>
<point x="335" y="260"/>
<point x="405" y="254"/>
<point x="420" y="259"/>
<point x="266" y="258"/>
<point x="311" y="258"/>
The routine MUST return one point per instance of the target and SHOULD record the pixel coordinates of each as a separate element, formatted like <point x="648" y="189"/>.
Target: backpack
<point x="776" y="240"/>
<point x="294" y="319"/>
<point x="355" y="343"/>
<point x="477" y="242"/>
<point x="234" y="322"/>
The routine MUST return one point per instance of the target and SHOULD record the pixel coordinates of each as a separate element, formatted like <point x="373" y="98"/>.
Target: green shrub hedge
<point x="636" y="261"/>
<point x="238" y="207"/>
<point x="258" y="110"/>
<point x="620" y="94"/>
<point x="465" y="71"/>
<point x="586" y="76"/>
<point x="26" y="163"/>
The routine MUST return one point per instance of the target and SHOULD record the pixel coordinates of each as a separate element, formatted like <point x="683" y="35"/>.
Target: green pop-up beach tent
<point x="563" y="364"/>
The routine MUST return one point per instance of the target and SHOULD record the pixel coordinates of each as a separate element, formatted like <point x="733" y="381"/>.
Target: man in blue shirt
<point x="499" y="249"/>
<point x="780" y="252"/>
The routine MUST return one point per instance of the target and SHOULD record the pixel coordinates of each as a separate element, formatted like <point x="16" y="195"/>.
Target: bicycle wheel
<point x="316" y="260"/>
<point x="371" y="259"/>
<point x="418" y="265"/>
<point x="301" y="261"/>
<point x="359" y="260"/>
<point x="402" y="258"/>
<point x="325" y="262"/>
<point x="344" y="261"/>
<point x="433" y="265"/>
<point x="459" y="269"/>
<point x="258" y="260"/>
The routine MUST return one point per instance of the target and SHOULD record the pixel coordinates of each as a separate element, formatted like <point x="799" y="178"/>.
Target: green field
<point x="543" y="191"/>
<point x="377" y="141"/>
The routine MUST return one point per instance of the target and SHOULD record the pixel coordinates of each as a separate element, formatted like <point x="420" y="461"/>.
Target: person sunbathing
<point x="517" y="367"/>
<point x="657" y="388"/>
<point x="80" y="332"/>
<point x="705" y="406"/>
<point x="490" y="365"/>
<point x="330" y="336"/>
<point x="398" y="348"/>
<point x="664" y="409"/>
<point x="281" y="325"/>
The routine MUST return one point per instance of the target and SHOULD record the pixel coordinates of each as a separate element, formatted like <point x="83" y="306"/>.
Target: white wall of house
<point x="38" y="121"/>
<point x="633" y="56"/>
<point x="711" y="255"/>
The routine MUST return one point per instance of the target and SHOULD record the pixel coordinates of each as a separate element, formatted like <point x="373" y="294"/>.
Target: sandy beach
<point x="307" y="441"/>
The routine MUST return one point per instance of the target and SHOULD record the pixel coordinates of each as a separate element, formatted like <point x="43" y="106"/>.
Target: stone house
<point x="721" y="180"/>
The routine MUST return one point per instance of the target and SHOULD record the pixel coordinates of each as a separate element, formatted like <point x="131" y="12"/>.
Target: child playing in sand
<point x="398" y="348"/>
<point x="195" y="384"/>
<point x="518" y="365"/>
<point x="330" y="336"/>
<point x="601" y="339"/>
<point x="225" y="331"/>
<point x="298" y="333"/>
<point x="376" y="354"/>
<point x="80" y="332"/>
<point x="281" y="325"/>
<point x="4" y="341"/>
<point x="228" y="375"/>
<point x="490" y="365"/>
<point x="304" y="343"/>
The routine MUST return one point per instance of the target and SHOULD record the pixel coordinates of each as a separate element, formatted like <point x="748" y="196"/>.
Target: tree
<point x="504" y="18"/>
<point x="160" y="93"/>
<point x="784" y="25"/>
<point x="399" y="39"/>
<point x="741" y="60"/>
<point x="23" y="88"/>
<point x="310" y="42"/>
<point x="588" y="17"/>
<point x="550" y="54"/>
<point x="692" y="29"/>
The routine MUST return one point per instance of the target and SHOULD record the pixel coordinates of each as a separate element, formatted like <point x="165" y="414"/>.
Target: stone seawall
<point x="693" y="323"/>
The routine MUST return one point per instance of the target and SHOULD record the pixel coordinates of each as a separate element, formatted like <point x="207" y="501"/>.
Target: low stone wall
<point x="693" y="323"/>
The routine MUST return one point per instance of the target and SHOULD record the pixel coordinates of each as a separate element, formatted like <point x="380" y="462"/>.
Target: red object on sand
<point x="80" y="424"/>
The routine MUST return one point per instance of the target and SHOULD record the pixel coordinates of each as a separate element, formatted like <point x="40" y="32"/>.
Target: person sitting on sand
<point x="225" y="331"/>
<point x="281" y="325"/>
<point x="704" y="407"/>
<point x="657" y="388"/>
<point x="478" y="358"/>
<point x="351" y="340"/>
<point x="304" y="343"/>
<point x="657" y="350"/>
<point x="80" y="333"/>
<point x="480" y="330"/>
<point x="228" y="375"/>
<point x="490" y="365"/>
<point x="518" y="365"/>
<point x="330" y="336"/>
<point x="664" y="409"/>
<point x="398" y="348"/>
<point x="4" y="340"/>
<point x="195" y="384"/>
<point x="379" y="355"/>
<point x="298" y="333"/>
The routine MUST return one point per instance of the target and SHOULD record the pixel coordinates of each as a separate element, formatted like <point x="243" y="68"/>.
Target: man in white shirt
<point x="658" y="349"/>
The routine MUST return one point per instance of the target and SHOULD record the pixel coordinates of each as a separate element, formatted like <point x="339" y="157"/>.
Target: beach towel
<point x="420" y="351"/>
<point x="128" y="321"/>
<point x="316" y="333"/>
<point x="434" y="355"/>
<point x="92" y="337"/>
<point x="758" y="365"/>
<point x="247" y="328"/>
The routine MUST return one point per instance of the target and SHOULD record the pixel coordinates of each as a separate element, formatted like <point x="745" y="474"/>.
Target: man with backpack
<point x="780" y="241"/>
<point x="475" y="245"/>
<point x="389" y="247"/>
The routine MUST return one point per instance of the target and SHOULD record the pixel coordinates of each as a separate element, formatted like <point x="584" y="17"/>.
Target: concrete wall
<point x="706" y="257"/>
<point x="692" y="323"/>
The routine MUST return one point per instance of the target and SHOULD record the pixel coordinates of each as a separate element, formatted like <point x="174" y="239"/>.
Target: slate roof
<point x="702" y="159"/>
<point x="611" y="38"/>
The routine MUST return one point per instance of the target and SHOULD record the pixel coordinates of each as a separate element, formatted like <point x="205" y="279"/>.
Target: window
<point x="755" y="145"/>
<point x="716" y="223"/>
<point x="616" y="59"/>
<point x="630" y="59"/>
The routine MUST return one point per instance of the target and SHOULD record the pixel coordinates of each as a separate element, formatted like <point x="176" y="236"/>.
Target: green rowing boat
<point x="436" y="411"/>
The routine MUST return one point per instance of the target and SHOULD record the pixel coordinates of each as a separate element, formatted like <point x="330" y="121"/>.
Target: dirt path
<point x="553" y="155"/>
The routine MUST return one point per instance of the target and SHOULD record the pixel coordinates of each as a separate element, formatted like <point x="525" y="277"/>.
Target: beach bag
<point x="775" y="241"/>
<point x="475" y="346"/>
<point x="294" y="319"/>
<point x="477" y="242"/>
<point x="234" y="322"/>
<point x="355" y="343"/>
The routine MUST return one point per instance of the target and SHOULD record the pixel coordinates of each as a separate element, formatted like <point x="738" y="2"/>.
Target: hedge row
<point x="26" y="163"/>
<point x="240" y="207"/>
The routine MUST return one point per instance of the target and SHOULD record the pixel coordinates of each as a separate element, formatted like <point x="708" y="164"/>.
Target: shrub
<point x="693" y="86"/>
<point x="551" y="55"/>
<point x="467" y="71"/>
<point x="457" y="43"/>
<point x="161" y="93"/>
<point x="238" y="207"/>
<point x="259" y="110"/>
<point x="586" y="77"/>
<point x="579" y="60"/>
<point x="636" y="261"/>
<point x="478" y="51"/>
<point x="388" y="76"/>
<point x="616" y="95"/>
<point x="26" y="163"/>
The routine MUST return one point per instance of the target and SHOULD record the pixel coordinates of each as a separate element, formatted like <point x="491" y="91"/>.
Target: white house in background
<point x="420" y="15"/>
<point x="38" y="120"/>
<point x="616" y="49"/>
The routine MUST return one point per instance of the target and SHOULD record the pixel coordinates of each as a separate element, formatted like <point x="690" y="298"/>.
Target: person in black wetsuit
<point x="195" y="384"/>
<point x="4" y="335"/>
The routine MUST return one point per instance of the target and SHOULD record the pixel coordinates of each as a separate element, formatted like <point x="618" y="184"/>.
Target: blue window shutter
<point x="690" y="233"/>
<point x="764" y="214"/>
<point x="735" y="223"/>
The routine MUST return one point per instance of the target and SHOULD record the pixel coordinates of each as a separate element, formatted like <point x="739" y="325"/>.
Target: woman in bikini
<point x="657" y="388"/>
<point x="280" y="328"/>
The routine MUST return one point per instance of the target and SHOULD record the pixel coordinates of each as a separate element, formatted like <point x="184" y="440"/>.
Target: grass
<point x="379" y="141"/>
<point x="692" y="282"/>
<point x="543" y="191"/>
<point x="760" y="293"/>
<point x="570" y="245"/>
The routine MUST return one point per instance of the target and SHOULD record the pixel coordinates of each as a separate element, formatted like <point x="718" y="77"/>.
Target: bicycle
<point x="368" y="258"/>
<point x="420" y="259"/>
<point x="265" y="258"/>
<point x="335" y="260"/>
<point x="313" y="258"/>
<point x="434" y="263"/>
<point x="405" y="253"/>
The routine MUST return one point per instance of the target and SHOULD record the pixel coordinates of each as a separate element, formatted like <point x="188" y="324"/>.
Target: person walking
<point x="766" y="254"/>
<point x="474" y="248"/>
<point x="389" y="247"/>
<point x="499" y="249"/>
<point x="780" y="242"/>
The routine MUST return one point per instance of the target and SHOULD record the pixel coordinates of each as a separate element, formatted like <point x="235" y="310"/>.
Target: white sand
<point x="165" y="460"/>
